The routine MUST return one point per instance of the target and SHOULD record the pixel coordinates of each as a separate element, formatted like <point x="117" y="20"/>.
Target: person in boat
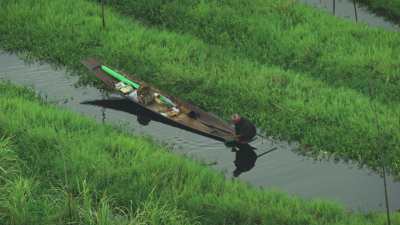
<point x="245" y="158"/>
<point x="244" y="129"/>
<point x="145" y="95"/>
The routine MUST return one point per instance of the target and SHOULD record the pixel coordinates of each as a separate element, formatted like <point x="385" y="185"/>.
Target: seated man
<point x="244" y="129"/>
<point x="145" y="95"/>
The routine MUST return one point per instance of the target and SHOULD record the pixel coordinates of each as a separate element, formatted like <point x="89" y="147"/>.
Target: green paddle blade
<point x="120" y="77"/>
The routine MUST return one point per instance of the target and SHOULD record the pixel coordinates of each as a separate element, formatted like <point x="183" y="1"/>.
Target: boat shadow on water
<point x="143" y="115"/>
<point x="124" y="105"/>
<point x="245" y="155"/>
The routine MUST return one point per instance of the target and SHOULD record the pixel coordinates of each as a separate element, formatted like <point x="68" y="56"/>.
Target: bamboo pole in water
<point x="355" y="10"/>
<point x="103" y="110"/>
<point x="264" y="153"/>
<point x="383" y="156"/>
<point x="386" y="195"/>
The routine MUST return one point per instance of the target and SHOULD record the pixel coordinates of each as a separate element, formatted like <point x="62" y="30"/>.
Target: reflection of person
<point x="244" y="129"/>
<point x="245" y="158"/>
<point x="143" y="119"/>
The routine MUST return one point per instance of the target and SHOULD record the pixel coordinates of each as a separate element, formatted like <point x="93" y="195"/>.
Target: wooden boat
<point x="174" y="111"/>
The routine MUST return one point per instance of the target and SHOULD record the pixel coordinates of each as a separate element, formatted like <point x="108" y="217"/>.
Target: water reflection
<point x="125" y="105"/>
<point x="358" y="188"/>
<point x="246" y="157"/>
<point x="358" y="13"/>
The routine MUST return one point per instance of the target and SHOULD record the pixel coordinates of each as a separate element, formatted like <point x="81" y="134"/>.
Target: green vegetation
<point x="286" y="104"/>
<point x="60" y="168"/>
<point x="387" y="8"/>
<point x="287" y="34"/>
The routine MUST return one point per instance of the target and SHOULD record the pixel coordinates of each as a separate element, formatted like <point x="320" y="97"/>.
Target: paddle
<point x="271" y="150"/>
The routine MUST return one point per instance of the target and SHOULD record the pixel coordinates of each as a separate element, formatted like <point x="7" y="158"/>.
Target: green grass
<point x="287" y="34"/>
<point x="57" y="167"/>
<point x="286" y="104"/>
<point x="387" y="8"/>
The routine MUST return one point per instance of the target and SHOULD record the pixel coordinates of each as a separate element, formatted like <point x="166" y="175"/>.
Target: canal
<point x="359" y="189"/>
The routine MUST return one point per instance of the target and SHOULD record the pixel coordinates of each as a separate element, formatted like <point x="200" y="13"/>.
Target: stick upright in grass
<point x="334" y="7"/>
<point x="355" y="10"/>
<point x="102" y="14"/>
<point x="382" y="156"/>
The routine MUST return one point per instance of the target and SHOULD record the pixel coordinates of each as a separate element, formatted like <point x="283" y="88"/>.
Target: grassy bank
<point x="287" y="34"/>
<point x="386" y="8"/>
<point x="286" y="104"/>
<point x="61" y="168"/>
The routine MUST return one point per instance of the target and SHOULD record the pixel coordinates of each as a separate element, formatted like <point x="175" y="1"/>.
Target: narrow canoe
<point x="188" y="117"/>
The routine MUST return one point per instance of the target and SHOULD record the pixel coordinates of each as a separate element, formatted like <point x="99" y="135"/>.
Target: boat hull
<point x="190" y="118"/>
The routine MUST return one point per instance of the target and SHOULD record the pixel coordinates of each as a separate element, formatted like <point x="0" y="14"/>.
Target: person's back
<point x="145" y="95"/>
<point x="244" y="129"/>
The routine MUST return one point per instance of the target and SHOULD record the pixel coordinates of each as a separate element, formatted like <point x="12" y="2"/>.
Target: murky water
<point x="357" y="189"/>
<point x="345" y="9"/>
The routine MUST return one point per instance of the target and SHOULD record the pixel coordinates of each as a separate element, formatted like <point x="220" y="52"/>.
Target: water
<point x="345" y="9"/>
<point x="357" y="189"/>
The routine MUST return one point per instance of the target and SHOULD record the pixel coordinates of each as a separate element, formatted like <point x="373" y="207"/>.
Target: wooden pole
<point x="102" y="13"/>
<point x="355" y="10"/>
<point x="386" y="196"/>
<point x="334" y="7"/>
<point x="103" y="110"/>
<point x="383" y="156"/>
<point x="264" y="153"/>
